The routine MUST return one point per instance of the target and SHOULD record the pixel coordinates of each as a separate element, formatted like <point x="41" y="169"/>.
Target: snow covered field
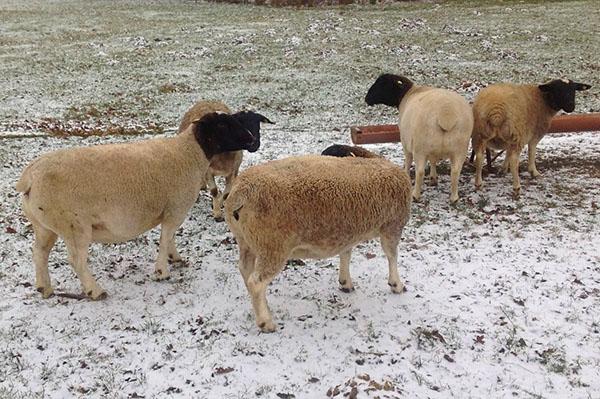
<point x="503" y="295"/>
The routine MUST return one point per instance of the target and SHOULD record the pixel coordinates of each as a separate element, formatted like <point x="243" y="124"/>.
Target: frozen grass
<point x="502" y="295"/>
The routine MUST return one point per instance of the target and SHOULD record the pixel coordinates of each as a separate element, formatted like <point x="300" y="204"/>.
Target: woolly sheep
<point x="115" y="192"/>
<point x="434" y="124"/>
<point x="226" y="164"/>
<point x="509" y="116"/>
<point x="314" y="206"/>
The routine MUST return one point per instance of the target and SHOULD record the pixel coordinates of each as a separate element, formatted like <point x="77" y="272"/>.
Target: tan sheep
<point x="115" y="192"/>
<point x="434" y="124"/>
<point x="509" y="116"/>
<point x="226" y="164"/>
<point x="314" y="206"/>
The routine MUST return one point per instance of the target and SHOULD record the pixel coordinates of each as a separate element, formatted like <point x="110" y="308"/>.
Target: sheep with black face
<point x="508" y="117"/>
<point x="115" y="192"/>
<point x="226" y="164"/>
<point x="434" y="124"/>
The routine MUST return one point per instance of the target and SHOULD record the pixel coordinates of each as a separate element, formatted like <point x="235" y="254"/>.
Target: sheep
<point x="115" y="192"/>
<point x="341" y="150"/>
<point x="434" y="124"/>
<point x="509" y="116"/>
<point x="226" y="164"/>
<point x="314" y="206"/>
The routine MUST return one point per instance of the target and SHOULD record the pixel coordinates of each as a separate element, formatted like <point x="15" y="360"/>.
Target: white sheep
<point x="314" y="206"/>
<point x="434" y="124"/>
<point x="509" y="116"/>
<point x="115" y="192"/>
<point x="226" y="164"/>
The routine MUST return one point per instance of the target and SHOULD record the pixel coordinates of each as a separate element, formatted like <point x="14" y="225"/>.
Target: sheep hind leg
<point x="218" y="204"/>
<point x="513" y="163"/>
<point x="43" y="244"/>
<point x="456" y="165"/>
<point x="532" y="149"/>
<point x="433" y="176"/>
<point x="389" y="243"/>
<point x="344" y="277"/>
<point x="408" y="160"/>
<point x="419" y="173"/>
<point x="257" y="283"/>
<point x="479" y="150"/>
<point x="246" y="262"/>
<point x="78" y="245"/>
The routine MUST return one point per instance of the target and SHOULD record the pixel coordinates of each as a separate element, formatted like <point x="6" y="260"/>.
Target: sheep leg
<point x="214" y="192"/>
<point x="480" y="149"/>
<point x="419" y="173"/>
<point x="456" y="165"/>
<point x="513" y="163"/>
<point x="408" y="160"/>
<point x="390" y="248"/>
<point x="42" y="245"/>
<point x="433" y="177"/>
<point x="531" y="152"/>
<point x="173" y="254"/>
<point x="77" y="247"/>
<point x="257" y="283"/>
<point x="344" y="277"/>
<point x="165" y="247"/>
<point x="247" y="261"/>
<point x="217" y="212"/>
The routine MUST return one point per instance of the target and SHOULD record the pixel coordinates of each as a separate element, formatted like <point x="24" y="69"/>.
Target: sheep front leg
<point x="344" y="277"/>
<point x="419" y="173"/>
<point x="456" y="165"/>
<point x="218" y="205"/>
<point x="257" y="283"/>
<point x="43" y="243"/>
<point x="214" y="192"/>
<point x="389" y="243"/>
<point x="531" y="152"/>
<point x="166" y="248"/>
<point x="77" y="247"/>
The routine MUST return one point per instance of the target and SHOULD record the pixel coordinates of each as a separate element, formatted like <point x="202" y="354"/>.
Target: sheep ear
<point x="582" y="86"/>
<point x="264" y="119"/>
<point x="195" y="120"/>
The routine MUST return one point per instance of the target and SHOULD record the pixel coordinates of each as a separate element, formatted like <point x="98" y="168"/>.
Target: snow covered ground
<point x="503" y="295"/>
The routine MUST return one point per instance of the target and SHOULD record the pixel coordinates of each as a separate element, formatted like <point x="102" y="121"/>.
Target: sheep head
<point x="560" y="93"/>
<point x="251" y="121"/>
<point x="341" y="150"/>
<point x="218" y="132"/>
<point x="388" y="89"/>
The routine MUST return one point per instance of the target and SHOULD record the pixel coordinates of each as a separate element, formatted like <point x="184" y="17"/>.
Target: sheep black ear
<point x="264" y="119"/>
<point x="582" y="86"/>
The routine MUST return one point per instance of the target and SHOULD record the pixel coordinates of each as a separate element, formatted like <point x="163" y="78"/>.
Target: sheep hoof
<point x="97" y="295"/>
<point x="433" y="182"/>
<point x="516" y="193"/>
<point x="267" y="326"/>
<point x="347" y="290"/>
<point x="535" y="174"/>
<point x="454" y="201"/>
<point x="397" y="288"/>
<point x="478" y="186"/>
<point x="219" y="219"/>
<point x="46" y="292"/>
<point x="162" y="275"/>
<point x="416" y="198"/>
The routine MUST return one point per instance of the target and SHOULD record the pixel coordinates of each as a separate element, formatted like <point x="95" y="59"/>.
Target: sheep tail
<point x="25" y="182"/>
<point x="447" y="118"/>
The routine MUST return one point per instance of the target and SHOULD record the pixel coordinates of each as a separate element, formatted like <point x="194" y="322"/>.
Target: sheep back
<point x="198" y="110"/>
<point x="315" y="206"/>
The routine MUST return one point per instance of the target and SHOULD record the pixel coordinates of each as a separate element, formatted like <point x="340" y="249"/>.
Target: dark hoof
<point x="219" y="219"/>
<point x="346" y="290"/>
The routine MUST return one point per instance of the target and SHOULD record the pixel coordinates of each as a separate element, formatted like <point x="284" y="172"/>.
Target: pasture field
<point x="502" y="295"/>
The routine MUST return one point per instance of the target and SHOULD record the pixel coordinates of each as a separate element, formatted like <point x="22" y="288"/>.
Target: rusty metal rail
<point x="573" y="123"/>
